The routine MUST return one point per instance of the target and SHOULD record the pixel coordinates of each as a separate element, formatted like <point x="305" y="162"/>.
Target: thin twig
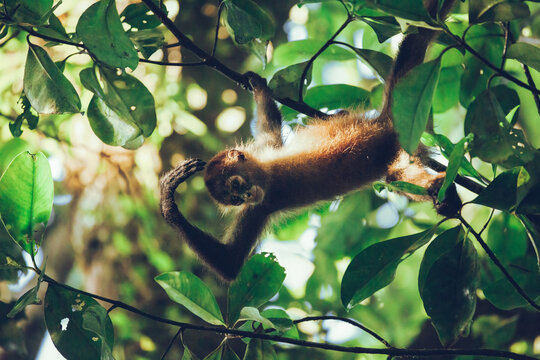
<point x="165" y="63"/>
<point x="532" y="84"/>
<point x="479" y="56"/>
<point x="349" y="321"/>
<point x="220" y="9"/>
<point x="171" y="343"/>
<point x="487" y="222"/>
<point x="498" y="263"/>
<point x="426" y="353"/>
<point x="319" y="52"/>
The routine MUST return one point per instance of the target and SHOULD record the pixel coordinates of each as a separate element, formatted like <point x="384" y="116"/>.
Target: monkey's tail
<point x="411" y="53"/>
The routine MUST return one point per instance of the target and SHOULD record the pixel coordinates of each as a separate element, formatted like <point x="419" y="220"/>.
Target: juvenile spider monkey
<point x="326" y="159"/>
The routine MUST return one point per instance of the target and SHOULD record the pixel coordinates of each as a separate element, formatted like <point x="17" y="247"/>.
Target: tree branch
<point x="425" y="353"/>
<point x="217" y="65"/>
<point x="498" y="263"/>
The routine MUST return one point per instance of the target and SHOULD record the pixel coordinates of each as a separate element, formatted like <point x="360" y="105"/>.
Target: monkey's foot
<point x="182" y="172"/>
<point x="256" y="81"/>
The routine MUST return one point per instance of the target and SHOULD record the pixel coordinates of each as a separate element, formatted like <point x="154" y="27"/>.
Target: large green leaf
<point x="454" y="163"/>
<point x="447" y="92"/>
<point x="46" y="87"/>
<point x="100" y="29"/>
<point x="501" y="193"/>
<point x="122" y="110"/>
<point x="338" y="96"/>
<point x="294" y="52"/>
<point x="26" y="190"/>
<point x="496" y="10"/>
<point x="411" y="104"/>
<point x="507" y="237"/>
<point x="35" y="12"/>
<point x="375" y="267"/>
<point x="378" y="61"/>
<point x="137" y="16"/>
<point x="188" y="290"/>
<point x="246" y="21"/>
<point x="488" y="40"/>
<point x="406" y="9"/>
<point x="494" y="140"/>
<point x="504" y="296"/>
<point x="526" y="54"/>
<point x="80" y="328"/>
<point x="447" y="284"/>
<point x="286" y="82"/>
<point x="259" y="280"/>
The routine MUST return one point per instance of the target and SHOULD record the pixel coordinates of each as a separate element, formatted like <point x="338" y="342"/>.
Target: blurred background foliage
<point x="107" y="236"/>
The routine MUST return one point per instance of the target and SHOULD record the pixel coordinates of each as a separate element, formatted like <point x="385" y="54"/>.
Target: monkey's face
<point x="234" y="178"/>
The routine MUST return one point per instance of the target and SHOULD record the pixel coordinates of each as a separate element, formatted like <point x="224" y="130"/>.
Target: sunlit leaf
<point x="101" y="31"/>
<point x="375" y="267"/>
<point x="526" y="54"/>
<point x="46" y="87"/>
<point x="501" y="192"/>
<point x="447" y="92"/>
<point x="259" y="349"/>
<point x="286" y="82"/>
<point x="246" y="21"/>
<point x="259" y="280"/>
<point x="188" y="290"/>
<point x="26" y="190"/>
<point x="454" y="163"/>
<point x="293" y="52"/>
<point x="412" y="100"/>
<point x="337" y="97"/>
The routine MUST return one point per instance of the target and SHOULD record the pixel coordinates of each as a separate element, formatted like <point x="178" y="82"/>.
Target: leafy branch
<point x="389" y="350"/>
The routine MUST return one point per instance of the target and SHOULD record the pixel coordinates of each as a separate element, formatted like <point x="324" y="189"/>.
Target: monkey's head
<point x="235" y="178"/>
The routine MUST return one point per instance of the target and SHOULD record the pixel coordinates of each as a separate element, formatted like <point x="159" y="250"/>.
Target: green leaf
<point x="488" y="40"/>
<point x="223" y="352"/>
<point x="294" y="52"/>
<point x="411" y="105"/>
<point x="259" y="280"/>
<point x="100" y="29"/>
<point x="35" y="12"/>
<point x="501" y="193"/>
<point x="138" y="17"/>
<point x="148" y="41"/>
<point x="251" y="313"/>
<point x="259" y="349"/>
<point x="188" y="354"/>
<point x="410" y="9"/>
<point x="26" y="190"/>
<point x="188" y="290"/>
<point x="338" y="96"/>
<point x="121" y="110"/>
<point x="494" y="140"/>
<point x="384" y="26"/>
<point x="279" y="318"/>
<point x="400" y="186"/>
<point x="375" y="267"/>
<point x="246" y="21"/>
<point x="80" y="328"/>
<point x="507" y="237"/>
<point x="496" y="10"/>
<point x="447" y="284"/>
<point x="9" y="150"/>
<point x="286" y="82"/>
<point x="29" y="298"/>
<point x="503" y="295"/>
<point x="454" y="163"/>
<point x="378" y="61"/>
<point x="12" y="263"/>
<point x="447" y="92"/>
<point x="46" y="87"/>
<point x="526" y="54"/>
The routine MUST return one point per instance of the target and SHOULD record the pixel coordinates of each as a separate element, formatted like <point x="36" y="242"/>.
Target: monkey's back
<point x="329" y="158"/>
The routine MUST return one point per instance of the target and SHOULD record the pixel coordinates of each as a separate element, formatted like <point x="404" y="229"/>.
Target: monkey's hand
<point x="451" y="204"/>
<point x="257" y="82"/>
<point x="183" y="171"/>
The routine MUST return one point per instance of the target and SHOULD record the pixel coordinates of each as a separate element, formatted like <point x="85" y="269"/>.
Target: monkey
<point x="328" y="158"/>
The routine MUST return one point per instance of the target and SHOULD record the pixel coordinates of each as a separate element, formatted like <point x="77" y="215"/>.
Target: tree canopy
<point x="100" y="98"/>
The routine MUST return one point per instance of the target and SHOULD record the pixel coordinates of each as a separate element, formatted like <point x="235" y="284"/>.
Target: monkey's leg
<point x="268" y="115"/>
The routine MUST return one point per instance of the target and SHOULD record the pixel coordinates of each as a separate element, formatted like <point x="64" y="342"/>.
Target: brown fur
<point x="326" y="159"/>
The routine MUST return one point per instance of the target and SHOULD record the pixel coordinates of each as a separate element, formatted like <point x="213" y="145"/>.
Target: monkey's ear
<point x="236" y="155"/>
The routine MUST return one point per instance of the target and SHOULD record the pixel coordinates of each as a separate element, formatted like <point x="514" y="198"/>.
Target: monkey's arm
<point x="268" y="115"/>
<point x="225" y="258"/>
